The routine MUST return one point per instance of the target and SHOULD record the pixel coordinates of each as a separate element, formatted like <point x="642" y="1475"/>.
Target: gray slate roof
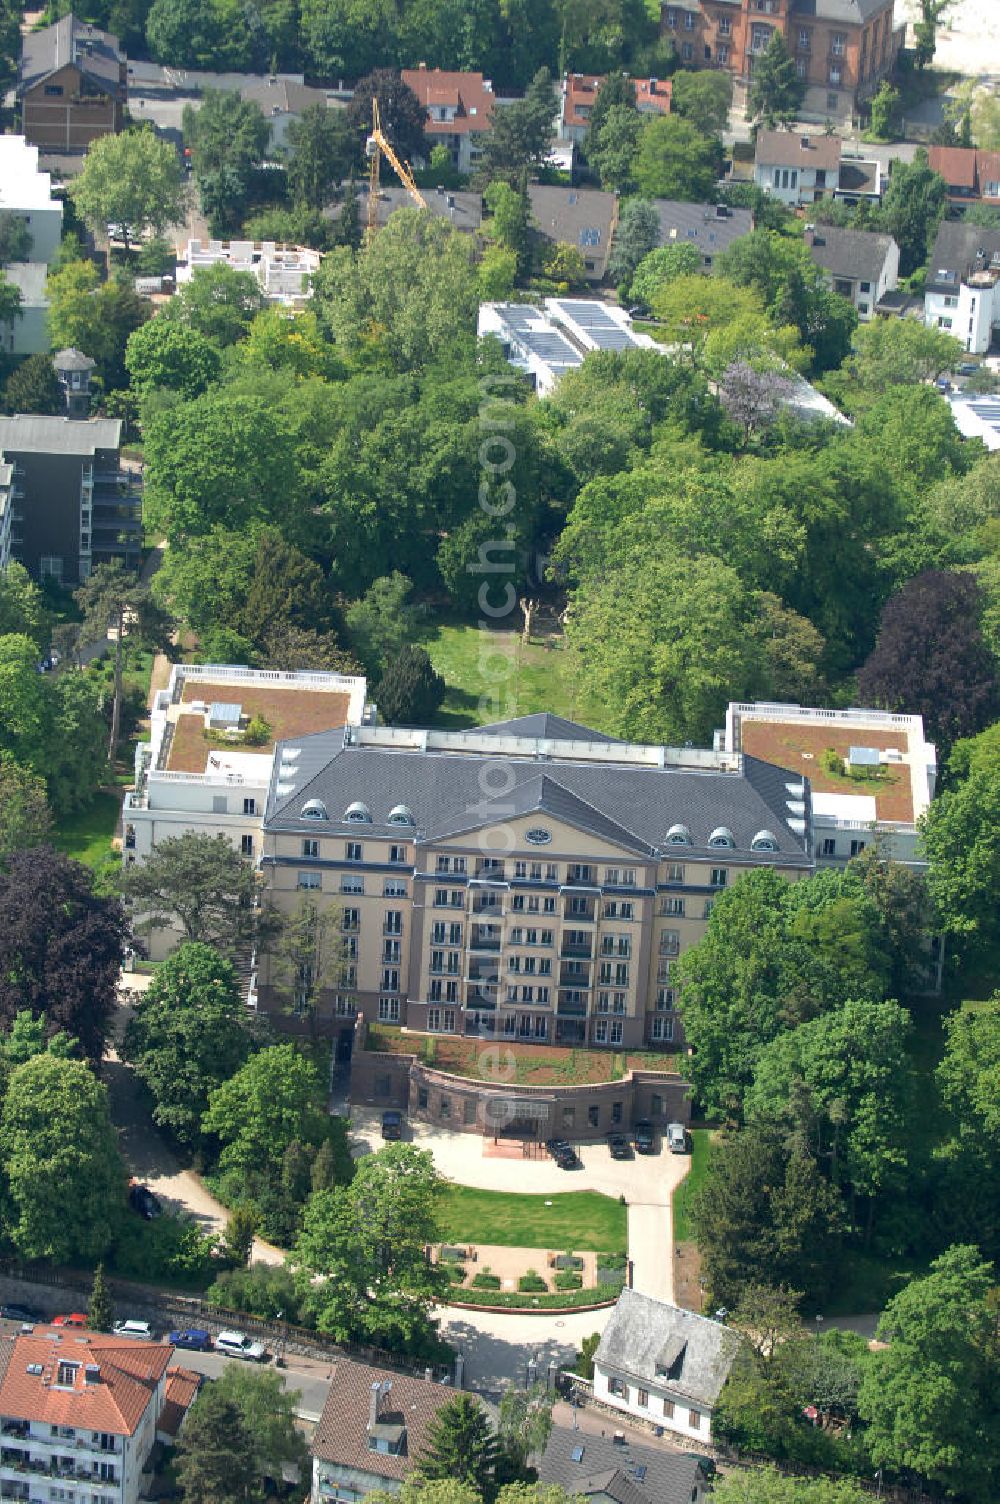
<point x="798" y="149"/>
<point x="644" y="1334"/>
<point x="857" y="11"/>
<point x="29" y="434"/>
<point x="956" y="248"/>
<point x="701" y="225"/>
<point x="543" y="723"/>
<point x="628" y="804"/>
<point x="95" y="52"/>
<point x="73" y="360"/>
<point x="464" y="211"/>
<point x="583" y="217"/>
<point x="605" y="1468"/>
<point x="857" y="255"/>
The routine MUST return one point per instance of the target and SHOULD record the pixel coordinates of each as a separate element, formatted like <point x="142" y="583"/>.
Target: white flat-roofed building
<point x="283" y="271"/>
<point x="547" y="341"/>
<point x="872" y="773"/>
<point x="199" y="772"/>
<point x="26" y="194"/>
<point x="978" y="418"/>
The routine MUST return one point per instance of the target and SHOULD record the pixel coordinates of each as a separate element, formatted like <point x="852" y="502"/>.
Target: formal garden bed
<point x="534" y="1065"/>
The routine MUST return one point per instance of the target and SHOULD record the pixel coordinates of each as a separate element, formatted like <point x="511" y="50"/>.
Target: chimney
<point x="810" y="235"/>
<point x="451" y="201"/>
<point x="429" y="1375"/>
<point x="373" y="1405"/>
<point x="423" y="67"/>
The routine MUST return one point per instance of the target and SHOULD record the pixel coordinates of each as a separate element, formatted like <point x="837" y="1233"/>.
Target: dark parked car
<point x="27" y="1315"/>
<point x="142" y="1200"/>
<point x="194" y="1337"/>
<point x="968" y="368"/>
<point x="643" y="1137"/>
<point x="619" y="1145"/>
<point x="392" y="1124"/>
<point x="565" y="1157"/>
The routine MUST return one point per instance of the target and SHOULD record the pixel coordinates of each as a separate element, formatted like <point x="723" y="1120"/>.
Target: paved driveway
<point x="647" y="1181"/>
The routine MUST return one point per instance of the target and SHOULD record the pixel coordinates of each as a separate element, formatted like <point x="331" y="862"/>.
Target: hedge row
<point x="561" y="1301"/>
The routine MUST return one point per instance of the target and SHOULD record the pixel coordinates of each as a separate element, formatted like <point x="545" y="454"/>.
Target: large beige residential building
<point x="529" y="880"/>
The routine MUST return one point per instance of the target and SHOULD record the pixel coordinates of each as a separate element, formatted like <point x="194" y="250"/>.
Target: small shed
<point x="224" y="715"/>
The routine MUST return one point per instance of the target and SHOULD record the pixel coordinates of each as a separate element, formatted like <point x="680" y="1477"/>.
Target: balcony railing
<point x="577" y="948"/>
<point x="567" y="1008"/>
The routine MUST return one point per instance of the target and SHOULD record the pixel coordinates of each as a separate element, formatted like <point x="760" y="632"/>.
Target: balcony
<point x="481" y="997"/>
<point x="487" y="903"/>
<point x="485" y="937"/>
<point x="487" y="872"/>
<point x="583" y="949"/>
<point x="582" y="910"/>
<point x="482" y="971"/>
<point x="575" y="974"/>
<point x="568" y="1007"/>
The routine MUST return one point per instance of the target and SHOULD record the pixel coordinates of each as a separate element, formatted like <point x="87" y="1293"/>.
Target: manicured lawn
<point x="700" y="1154"/>
<point x="492" y="675"/>
<point x="87" y="836"/>
<point x="865" y="1283"/>
<point x="576" y="1220"/>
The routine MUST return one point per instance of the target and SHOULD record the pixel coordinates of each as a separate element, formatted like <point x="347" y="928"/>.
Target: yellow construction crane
<point x="378" y="146"/>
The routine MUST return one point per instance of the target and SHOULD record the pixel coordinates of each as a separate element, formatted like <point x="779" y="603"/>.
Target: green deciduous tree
<point x="25" y="819"/>
<point x="227" y="137"/>
<point x="925" y="30"/>
<point x="113" y="600"/>
<point x="65" y="1177"/>
<point x="675" y="160"/>
<point x="522" y="131"/>
<point x="929" y="1398"/>
<point x="165" y="353"/>
<point x="769" y="1486"/>
<point x="794" y="291"/>
<point x="401" y="114"/>
<point x="636" y="236"/>
<point x="187" y="1035"/>
<point x="961" y="838"/>
<point x="612" y="147"/>
<point x="510" y="225"/>
<point x="132" y="181"/>
<point x="776" y="91"/>
<point x="268" y="1408"/>
<point x="524" y="1427"/>
<point x="219" y="302"/>
<point x="273" y="1101"/>
<point x="913" y="207"/>
<point x="383" y="621"/>
<point x="94" y="317"/>
<point x="308" y="957"/>
<point x="704" y="98"/>
<point x="661" y="266"/>
<point x="891" y="352"/>
<point x="322" y="151"/>
<point x="199" y="884"/>
<point x="366" y="1241"/>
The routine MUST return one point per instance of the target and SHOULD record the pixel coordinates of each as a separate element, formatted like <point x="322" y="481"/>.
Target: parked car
<point x="566" y="1157"/>
<point x="968" y="368"/>
<point x="643" y="1137"/>
<point x="142" y="1200"/>
<point x="75" y="1318"/>
<point x="619" y="1145"/>
<point x="553" y="1145"/>
<point x="677" y="1138"/>
<point x="239" y="1345"/>
<point x="25" y="1314"/>
<point x="132" y="1328"/>
<point x="194" y="1337"/>
<point x="392" y="1124"/>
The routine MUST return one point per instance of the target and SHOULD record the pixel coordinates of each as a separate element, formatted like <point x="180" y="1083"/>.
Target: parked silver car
<point x="239" y="1345"/>
<point x="677" y="1138"/>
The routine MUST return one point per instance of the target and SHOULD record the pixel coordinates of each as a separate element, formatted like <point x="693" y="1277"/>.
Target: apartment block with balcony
<point x="530" y="880"/>
<point x="199" y="772"/>
<point x="842" y="48"/>
<point x="78" y="1416"/>
<point x="74" y="503"/>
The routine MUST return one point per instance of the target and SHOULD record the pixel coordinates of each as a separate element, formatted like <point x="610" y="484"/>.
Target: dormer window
<point x="358" y="814"/>
<point x="678" y="835"/>
<point x="764" y="840"/>
<point x="314" y="809"/>
<point x="401" y="815"/>
<point x="722" y="836"/>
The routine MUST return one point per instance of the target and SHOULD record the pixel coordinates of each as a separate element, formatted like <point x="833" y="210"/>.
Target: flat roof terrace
<point x="799" y="747"/>
<point x="288" y="712"/>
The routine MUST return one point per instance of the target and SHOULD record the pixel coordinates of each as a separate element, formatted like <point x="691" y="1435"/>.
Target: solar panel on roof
<point x="576" y="1455"/>
<point x="590" y="235"/>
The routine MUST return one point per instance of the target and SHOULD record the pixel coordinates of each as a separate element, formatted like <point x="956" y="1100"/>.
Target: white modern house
<point x="796" y="168"/>
<point x="664" y="1365"/>
<point x="871" y="773"/>
<point x="283" y="271"/>
<point x="962" y="292"/>
<point x="975" y="418"/>
<point x="78" y="1416"/>
<point x="199" y="772"/>
<point x="27" y="194"/>
<point x="547" y="340"/>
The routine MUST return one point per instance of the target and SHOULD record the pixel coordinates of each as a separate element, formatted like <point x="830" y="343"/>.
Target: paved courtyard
<point x="646" y="1181"/>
